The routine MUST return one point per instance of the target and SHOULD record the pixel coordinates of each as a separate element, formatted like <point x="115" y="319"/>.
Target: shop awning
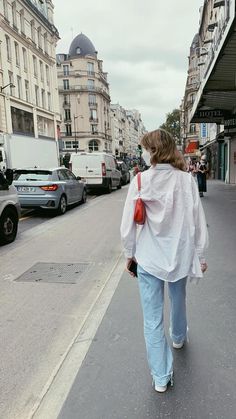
<point x="191" y="147"/>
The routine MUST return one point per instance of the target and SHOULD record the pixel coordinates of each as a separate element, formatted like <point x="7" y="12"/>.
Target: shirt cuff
<point x="129" y="253"/>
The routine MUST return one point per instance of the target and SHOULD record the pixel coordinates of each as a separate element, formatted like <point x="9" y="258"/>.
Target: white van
<point x="9" y="210"/>
<point x="98" y="170"/>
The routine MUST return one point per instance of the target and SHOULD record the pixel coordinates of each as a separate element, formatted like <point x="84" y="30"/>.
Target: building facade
<point x="127" y="129"/>
<point x="215" y="101"/>
<point x="84" y="99"/>
<point x="29" y="103"/>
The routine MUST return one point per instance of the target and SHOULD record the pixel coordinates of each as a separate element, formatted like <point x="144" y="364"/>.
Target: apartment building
<point x="84" y="99"/>
<point x="29" y="102"/>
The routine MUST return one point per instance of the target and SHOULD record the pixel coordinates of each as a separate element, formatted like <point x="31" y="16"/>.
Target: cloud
<point x="144" y="46"/>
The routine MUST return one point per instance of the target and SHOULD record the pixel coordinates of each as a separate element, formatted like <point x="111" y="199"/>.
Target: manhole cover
<point x="65" y="273"/>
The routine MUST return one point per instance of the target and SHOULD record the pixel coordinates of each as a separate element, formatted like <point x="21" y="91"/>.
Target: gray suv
<point x="9" y="208"/>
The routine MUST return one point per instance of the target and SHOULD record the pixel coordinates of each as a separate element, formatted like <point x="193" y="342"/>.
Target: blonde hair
<point x="163" y="149"/>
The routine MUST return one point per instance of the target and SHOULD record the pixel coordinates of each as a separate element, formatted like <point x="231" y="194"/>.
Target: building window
<point x="49" y="101"/>
<point x="93" y="115"/>
<point x="71" y="144"/>
<point x="92" y="99"/>
<point x="14" y="19"/>
<point x="45" y="127"/>
<point x="45" y="41"/>
<point x="22" y="121"/>
<point x="35" y="66"/>
<point x="90" y="84"/>
<point x="11" y="81"/>
<point x="78" y="50"/>
<point x="41" y="70"/>
<point x="43" y="98"/>
<point x="8" y="45"/>
<point x="17" y="54"/>
<point x="193" y="128"/>
<point x="68" y="131"/>
<point x="36" y="90"/>
<point x="47" y="75"/>
<point x="24" y="58"/>
<point x="19" y="86"/>
<point x="5" y="9"/>
<point x="94" y="129"/>
<point x="93" y="145"/>
<point x="32" y="25"/>
<point x="66" y="70"/>
<point x="66" y="85"/>
<point x="90" y="68"/>
<point x="67" y="115"/>
<point x="39" y="37"/>
<point x="66" y="100"/>
<point x="22" y="22"/>
<point x="27" y="98"/>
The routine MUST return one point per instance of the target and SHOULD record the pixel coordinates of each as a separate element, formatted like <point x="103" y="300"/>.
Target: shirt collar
<point x="162" y="166"/>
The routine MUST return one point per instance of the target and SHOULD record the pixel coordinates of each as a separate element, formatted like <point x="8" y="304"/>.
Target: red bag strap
<point x="139" y="181"/>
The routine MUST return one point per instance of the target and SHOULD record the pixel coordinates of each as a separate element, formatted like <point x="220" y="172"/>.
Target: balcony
<point x="67" y="120"/>
<point x="93" y="120"/>
<point x="66" y="104"/>
<point x="93" y="105"/>
<point x="85" y="88"/>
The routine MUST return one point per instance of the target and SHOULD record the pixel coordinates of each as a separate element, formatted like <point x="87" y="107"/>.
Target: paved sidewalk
<point x="114" y="380"/>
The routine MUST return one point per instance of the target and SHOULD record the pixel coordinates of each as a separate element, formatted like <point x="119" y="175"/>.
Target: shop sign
<point x="230" y="126"/>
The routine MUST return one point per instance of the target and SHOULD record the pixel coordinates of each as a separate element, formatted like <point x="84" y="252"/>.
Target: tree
<point x="172" y="124"/>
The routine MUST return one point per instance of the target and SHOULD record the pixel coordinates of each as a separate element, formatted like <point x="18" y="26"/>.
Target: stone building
<point x="216" y="97"/>
<point x="84" y="99"/>
<point x="29" y="104"/>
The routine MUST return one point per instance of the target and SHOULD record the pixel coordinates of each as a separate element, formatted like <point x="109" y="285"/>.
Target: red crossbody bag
<point x="140" y="210"/>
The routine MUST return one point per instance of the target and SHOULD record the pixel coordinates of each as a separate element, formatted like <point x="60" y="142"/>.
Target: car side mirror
<point x="78" y="178"/>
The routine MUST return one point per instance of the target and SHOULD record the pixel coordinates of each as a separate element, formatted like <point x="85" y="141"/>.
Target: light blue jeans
<point x="159" y="354"/>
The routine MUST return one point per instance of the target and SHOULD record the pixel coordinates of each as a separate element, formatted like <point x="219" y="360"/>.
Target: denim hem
<point x="180" y="338"/>
<point x="163" y="381"/>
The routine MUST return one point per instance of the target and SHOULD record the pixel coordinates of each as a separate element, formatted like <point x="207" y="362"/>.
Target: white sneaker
<point x="178" y="345"/>
<point x="160" y="389"/>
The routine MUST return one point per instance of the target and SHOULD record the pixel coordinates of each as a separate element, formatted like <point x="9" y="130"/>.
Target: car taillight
<point x="70" y="166"/>
<point x="49" y="187"/>
<point x="104" y="172"/>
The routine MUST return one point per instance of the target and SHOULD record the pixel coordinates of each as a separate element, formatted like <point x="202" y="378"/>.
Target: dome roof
<point x="81" y="46"/>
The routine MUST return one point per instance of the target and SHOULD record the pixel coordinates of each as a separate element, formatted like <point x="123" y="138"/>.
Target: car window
<point x="70" y="175"/>
<point x="62" y="175"/>
<point x="31" y="175"/>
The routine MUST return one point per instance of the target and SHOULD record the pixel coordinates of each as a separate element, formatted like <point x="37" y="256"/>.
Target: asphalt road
<point x="32" y="218"/>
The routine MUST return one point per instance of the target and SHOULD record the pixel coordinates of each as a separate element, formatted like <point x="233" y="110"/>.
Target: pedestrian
<point x="168" y="249"/>
<point x="201" y="171"/>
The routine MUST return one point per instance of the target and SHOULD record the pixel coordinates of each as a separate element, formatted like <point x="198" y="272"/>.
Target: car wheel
<point x="8" y="226"/>
<point x="84" y="197"/>
<point x="62" y="205"/>
<point x="109" y="187"/>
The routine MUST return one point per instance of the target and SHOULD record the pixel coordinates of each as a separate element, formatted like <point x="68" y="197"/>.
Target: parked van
<point x="9" y="209"/>
<point x="98" y="170"/>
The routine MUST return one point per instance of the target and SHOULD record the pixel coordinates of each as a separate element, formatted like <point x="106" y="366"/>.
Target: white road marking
<point x="59" y="384"/>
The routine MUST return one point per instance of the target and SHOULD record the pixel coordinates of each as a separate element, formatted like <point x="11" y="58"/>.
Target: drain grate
<point x="64" y="273"/>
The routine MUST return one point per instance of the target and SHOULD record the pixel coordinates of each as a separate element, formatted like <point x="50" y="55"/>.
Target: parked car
<point x="49" y="188"/>
<point x="98" y="170"/>
<point x="125" y="174"/>
<point x="9" y="209"/>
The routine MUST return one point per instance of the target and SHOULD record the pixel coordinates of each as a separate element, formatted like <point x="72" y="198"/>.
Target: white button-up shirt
<point x="171" y="243"/>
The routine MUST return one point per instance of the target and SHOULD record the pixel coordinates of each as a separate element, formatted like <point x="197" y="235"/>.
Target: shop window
<point x="22" y="122"/>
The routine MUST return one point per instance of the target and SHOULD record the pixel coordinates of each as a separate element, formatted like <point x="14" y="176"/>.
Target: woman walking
<point x="201" y="170"/>
<point x="169" y="248"/>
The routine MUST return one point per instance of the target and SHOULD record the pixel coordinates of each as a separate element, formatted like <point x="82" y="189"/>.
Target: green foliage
<point x="172" y="123"/>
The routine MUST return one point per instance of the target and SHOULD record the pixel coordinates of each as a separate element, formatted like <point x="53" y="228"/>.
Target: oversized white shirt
<point x="171" y="243"/>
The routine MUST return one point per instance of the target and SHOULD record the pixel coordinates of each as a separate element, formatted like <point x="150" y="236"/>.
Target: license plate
<point x="26" y="189"/>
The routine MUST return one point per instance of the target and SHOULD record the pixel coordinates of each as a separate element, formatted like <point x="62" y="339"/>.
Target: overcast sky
<point x="144" y="46"/>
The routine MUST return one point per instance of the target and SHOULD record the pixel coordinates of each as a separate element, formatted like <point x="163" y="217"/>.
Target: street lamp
<point x="4" y="87"/>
